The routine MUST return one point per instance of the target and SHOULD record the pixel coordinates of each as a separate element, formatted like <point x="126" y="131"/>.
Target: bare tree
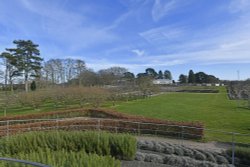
<point x="112" y="75"/>
<point x="80" y="68"/>
<point x="10" y="70"/>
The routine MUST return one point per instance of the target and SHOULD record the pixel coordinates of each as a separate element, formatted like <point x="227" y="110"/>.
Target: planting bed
<point x="178" y="155"/>
<point x="96" y="119"/>
<point x="64" y="149"/>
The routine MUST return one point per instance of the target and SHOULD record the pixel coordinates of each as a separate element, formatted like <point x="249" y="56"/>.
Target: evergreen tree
<point x="160" y="75"/>
<point x="151" y="72"/>
<point x="191" y="77"/>
<point x="182" y="79"/>
<point x="27" y="59"/>
<point x="167" y="75"/>
<point x="33" y="86"/>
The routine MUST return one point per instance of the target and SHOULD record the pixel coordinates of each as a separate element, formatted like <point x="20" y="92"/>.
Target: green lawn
<point x="215" y="110"/>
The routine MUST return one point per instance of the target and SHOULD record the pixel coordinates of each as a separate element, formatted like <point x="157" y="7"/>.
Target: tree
<point x="89" y="78"/>
<point x="10" y="71"/>
<point x="151" y="72"/>
<point x="212" y="79"/>
<point x="139" y="75"/>
<point x="129" y="76"/>
<point x="191" y="77"/>
<point x="145" y="85"/>
<point x="160" y="75"/>
<point x="112" y="75"/>
<point x="167" y="75"/>
<point x="200" y="77"/>
<point x="33" y="86"/>
<point x="80" y="67"/>
<point x="27" y="59"/>
<point x="183" y="79"/>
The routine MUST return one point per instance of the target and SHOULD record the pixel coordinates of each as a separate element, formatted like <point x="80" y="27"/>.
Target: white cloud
<point x="138" y="52"/>
<point x="163" y="33"/>
<point x="161" y="8"/>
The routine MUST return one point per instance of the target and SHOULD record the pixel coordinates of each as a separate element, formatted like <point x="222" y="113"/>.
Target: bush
<point x="118" y="145"/>
<point x="242" y="153"/>
<point x="62" y="158"/>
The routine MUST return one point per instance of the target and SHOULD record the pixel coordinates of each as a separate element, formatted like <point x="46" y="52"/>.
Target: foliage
<point x="191" y="77"/>
<point x="101" y="143"/>
<point x="202" y="77"/>
<point x="167" y="75"/>
<point x="151" y="72"/>
<point x="160" y="75"/>
<point x="27" y="59"/>
<point x="62" y="158"/>
<point x="119" y="122"/>
<point x="183" y="79"/>
<point x="242" y="153"/>
<point x="33" y="86"/>
<point x="146" y="85"/>
<point x="176" y="152"/>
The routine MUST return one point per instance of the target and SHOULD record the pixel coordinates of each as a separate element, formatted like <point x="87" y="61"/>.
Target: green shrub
<point x="242" y="153"/>
<point x="62" y="158"/>
<point x="102" y="143"/>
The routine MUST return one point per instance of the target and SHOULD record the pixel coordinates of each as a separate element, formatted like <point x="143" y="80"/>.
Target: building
<point x="162" y="82"/>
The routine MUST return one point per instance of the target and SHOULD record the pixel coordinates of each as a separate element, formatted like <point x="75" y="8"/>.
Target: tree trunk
<point x="6" y="75"/>
<point x="26" y="83"/>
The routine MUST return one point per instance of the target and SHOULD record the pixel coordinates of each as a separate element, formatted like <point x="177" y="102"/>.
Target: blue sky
<point x="204" y="35"/>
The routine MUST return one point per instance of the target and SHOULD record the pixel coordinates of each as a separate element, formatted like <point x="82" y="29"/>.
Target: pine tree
<point x="160" y="75"/>
<point x="167" y="75"/>
<point x="27" y="59"/>
<point x="191" y="77"/>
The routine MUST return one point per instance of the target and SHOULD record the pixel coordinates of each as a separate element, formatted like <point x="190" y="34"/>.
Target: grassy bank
<point x="215" y="110"/>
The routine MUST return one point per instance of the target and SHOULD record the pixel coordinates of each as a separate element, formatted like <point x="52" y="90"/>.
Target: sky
<point x="212" y="36"/>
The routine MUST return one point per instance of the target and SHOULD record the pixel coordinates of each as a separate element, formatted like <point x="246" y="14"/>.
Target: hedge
<point x="122" y="146"/>
<point x="123" y="122"/>
<point x="62" y="158"/>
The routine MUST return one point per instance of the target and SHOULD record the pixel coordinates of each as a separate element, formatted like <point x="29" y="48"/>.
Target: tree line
<point x="199" y="77"/>
<point x="23" y="64"/>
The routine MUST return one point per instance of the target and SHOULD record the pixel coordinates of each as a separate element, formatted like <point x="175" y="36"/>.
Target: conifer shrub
<point x="62" y="158"/>
<point x="121" y="146"/>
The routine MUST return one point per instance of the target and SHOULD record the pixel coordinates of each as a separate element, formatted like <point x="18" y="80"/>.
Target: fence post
<point x="233" y="148"/>
<point x="7" y="123"/>
<point x="182" y="135"/>
<point x="138" y="128"/>
<point x="98" y="124"/>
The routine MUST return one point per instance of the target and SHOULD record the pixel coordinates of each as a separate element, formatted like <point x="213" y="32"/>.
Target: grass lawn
<point x="215" y="110"/>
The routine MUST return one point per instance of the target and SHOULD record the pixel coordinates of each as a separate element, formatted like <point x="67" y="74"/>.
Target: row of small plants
<point x="72" y="147"/>
<point x="65" y="97"/>
<point x="179" y="152"/>
<point x="62" y="158"/>
<point x="179" y="155"/>
<point x="121" y="146"/>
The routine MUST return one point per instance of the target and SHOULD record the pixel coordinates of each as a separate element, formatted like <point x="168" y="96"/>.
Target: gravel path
<point x="142" y="164"/>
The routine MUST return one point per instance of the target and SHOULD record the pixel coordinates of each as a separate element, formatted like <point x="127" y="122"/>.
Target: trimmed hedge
<point x="190" y="130"/>
<point x="62" y="158"/>
<point x="121" y="146"/>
